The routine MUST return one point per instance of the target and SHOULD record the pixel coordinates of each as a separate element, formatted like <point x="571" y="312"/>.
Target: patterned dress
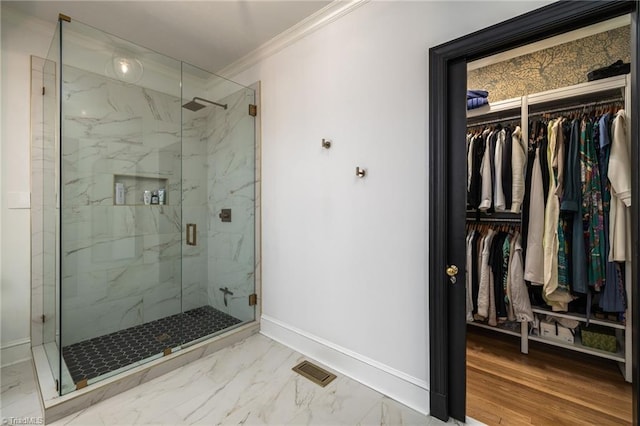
<point x="592" y="208"/>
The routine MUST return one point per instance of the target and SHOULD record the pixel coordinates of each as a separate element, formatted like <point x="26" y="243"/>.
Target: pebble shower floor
<point x="94" y="357"/>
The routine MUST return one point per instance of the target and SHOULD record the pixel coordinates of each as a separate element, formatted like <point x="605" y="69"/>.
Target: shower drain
<point x="162" y="337"/>
<point x="314" y="373"/>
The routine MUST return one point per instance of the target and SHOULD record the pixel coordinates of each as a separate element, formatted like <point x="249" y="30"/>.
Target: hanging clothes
<point x="559" y="161"/>
<point x="474" y="166"/>
<point x="496" y="261"/>
<point x="544" y="165"/>
<point x="562" y="183"/>
<point x="518" y="169"/>
<point x="476" y="250"/>
<point x="613" y="297"/>
<point x="504" y="311"/>
<point x="469" y="276"/>
<point x="558" y="297"/>
<point x="519" y="296"/>
<point x="485" y="276"/>
<point x="507" y="164"/>
<point x="592" y="215"/>
<point x="526" y="201"/>
<point x="564" y="222"/>
<point x="534" y="260"/>
<point x="619" y="174"/>
<point x="503" y="294"/>
<point x="499" y="199"/>
<point x="486" y="197"/>
<point x="572" y="203"/>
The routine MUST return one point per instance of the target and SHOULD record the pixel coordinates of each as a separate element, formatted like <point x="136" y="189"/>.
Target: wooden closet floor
<point x="549" y="386"/>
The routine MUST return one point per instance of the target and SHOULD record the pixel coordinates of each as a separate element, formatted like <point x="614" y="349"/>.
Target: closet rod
<point x="493" y="220"/>
<point x="578" y="106"/>
<point x="495" y="120"/>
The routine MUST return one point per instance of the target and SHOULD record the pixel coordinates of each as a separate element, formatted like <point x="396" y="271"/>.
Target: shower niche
<point x="134" y="188"/>
<point x="129" y="147"/>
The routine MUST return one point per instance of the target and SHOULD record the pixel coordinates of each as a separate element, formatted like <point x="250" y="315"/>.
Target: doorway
<point x="448" y="77"/>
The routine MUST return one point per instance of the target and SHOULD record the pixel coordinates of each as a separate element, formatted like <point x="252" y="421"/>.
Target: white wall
<point x="21" y="37"/>
<point x="345" y="260"/>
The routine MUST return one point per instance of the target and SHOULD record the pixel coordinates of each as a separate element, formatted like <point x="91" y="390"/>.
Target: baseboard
<point x="404" y="388"/>
<point x="15" y="352"/>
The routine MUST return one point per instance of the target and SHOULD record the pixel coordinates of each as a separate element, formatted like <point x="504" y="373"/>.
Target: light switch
<point x="19" y="200"/>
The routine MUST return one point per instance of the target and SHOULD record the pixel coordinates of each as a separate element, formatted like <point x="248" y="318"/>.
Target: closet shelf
<point x="579" y="317"/>
<point x="475" y="215"/>
<point x="511" y="105"/>
<point x="579" y="347"/>
<point x="496" y="328"/>
<point x="579" y="92"/>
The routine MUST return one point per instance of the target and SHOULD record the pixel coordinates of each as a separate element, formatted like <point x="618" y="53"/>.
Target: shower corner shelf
<point x="135" y="185"/>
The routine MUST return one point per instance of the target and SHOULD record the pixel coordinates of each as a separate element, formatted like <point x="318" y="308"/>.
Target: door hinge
<point x="44" y="90"/>
<point x="43" y="317"/>
<point x="253" y="110"/>
<point x="253" y="299"/>
<point x="57" y="385"/>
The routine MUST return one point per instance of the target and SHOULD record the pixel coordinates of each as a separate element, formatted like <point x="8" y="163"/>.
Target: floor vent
<point x="314" y="373"/>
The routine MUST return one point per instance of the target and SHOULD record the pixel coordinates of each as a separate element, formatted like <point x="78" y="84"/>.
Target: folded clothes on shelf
<point x="617" y="68"/>
<point x="477" y="98"/>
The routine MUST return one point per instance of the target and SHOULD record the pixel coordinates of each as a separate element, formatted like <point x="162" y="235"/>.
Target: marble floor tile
<point x="248" y="383"/>
<point x="386" y="411"/>
<point x="18" y="397"/>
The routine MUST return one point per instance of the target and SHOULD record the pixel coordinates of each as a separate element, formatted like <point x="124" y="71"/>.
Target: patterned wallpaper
<point x="563" y="65"/>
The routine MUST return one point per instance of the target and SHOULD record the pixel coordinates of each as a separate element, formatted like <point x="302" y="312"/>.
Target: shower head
<point x="196" y="106"/>
<point x="193" y="106"/>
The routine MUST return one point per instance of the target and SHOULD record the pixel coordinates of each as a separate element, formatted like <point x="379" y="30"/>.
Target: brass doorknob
<point x="452" y="270"/>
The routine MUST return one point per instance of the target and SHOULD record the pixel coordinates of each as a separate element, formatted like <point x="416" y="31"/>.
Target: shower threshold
<point x="110" y="354"/>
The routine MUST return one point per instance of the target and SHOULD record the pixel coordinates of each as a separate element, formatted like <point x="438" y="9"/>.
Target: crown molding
<point x="332" y="12"/>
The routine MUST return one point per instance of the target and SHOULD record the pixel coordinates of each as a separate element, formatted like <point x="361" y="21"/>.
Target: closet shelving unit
<point x="521" y="108"/>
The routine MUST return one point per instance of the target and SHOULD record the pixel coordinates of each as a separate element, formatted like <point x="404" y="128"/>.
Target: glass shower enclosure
<point x="145" y="187"/>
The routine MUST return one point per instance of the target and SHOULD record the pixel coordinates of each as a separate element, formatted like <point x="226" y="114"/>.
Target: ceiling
<point x="208" y="34"/>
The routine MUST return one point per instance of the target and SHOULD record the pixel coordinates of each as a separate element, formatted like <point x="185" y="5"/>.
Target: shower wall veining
<point x="219" y="173"/>
<point x="121" y="263"/>
<point x="128" y="264"/>
<point x="232" y="178"/>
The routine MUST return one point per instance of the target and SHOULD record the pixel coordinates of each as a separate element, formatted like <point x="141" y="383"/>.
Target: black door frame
<point x="447" y="123"/>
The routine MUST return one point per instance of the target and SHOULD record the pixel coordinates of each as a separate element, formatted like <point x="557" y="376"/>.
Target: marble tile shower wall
<point x="121" y="264"/>
<point x="231" y="156"/>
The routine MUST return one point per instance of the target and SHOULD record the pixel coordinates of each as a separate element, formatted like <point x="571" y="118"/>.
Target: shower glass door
<point x="154" y="198"/>
<point x="218" y="203"/>
<point x="121" y="247"/>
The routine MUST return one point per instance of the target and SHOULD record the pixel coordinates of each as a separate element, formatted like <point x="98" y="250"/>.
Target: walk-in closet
<point x="548" y="231"/>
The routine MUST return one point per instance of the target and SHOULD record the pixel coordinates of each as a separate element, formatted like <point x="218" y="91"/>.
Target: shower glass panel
<point x="218" y="209"/>
<point x="146" y="197"/>
<point x="44" y="190"/>
<point x="120" y="248"/>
